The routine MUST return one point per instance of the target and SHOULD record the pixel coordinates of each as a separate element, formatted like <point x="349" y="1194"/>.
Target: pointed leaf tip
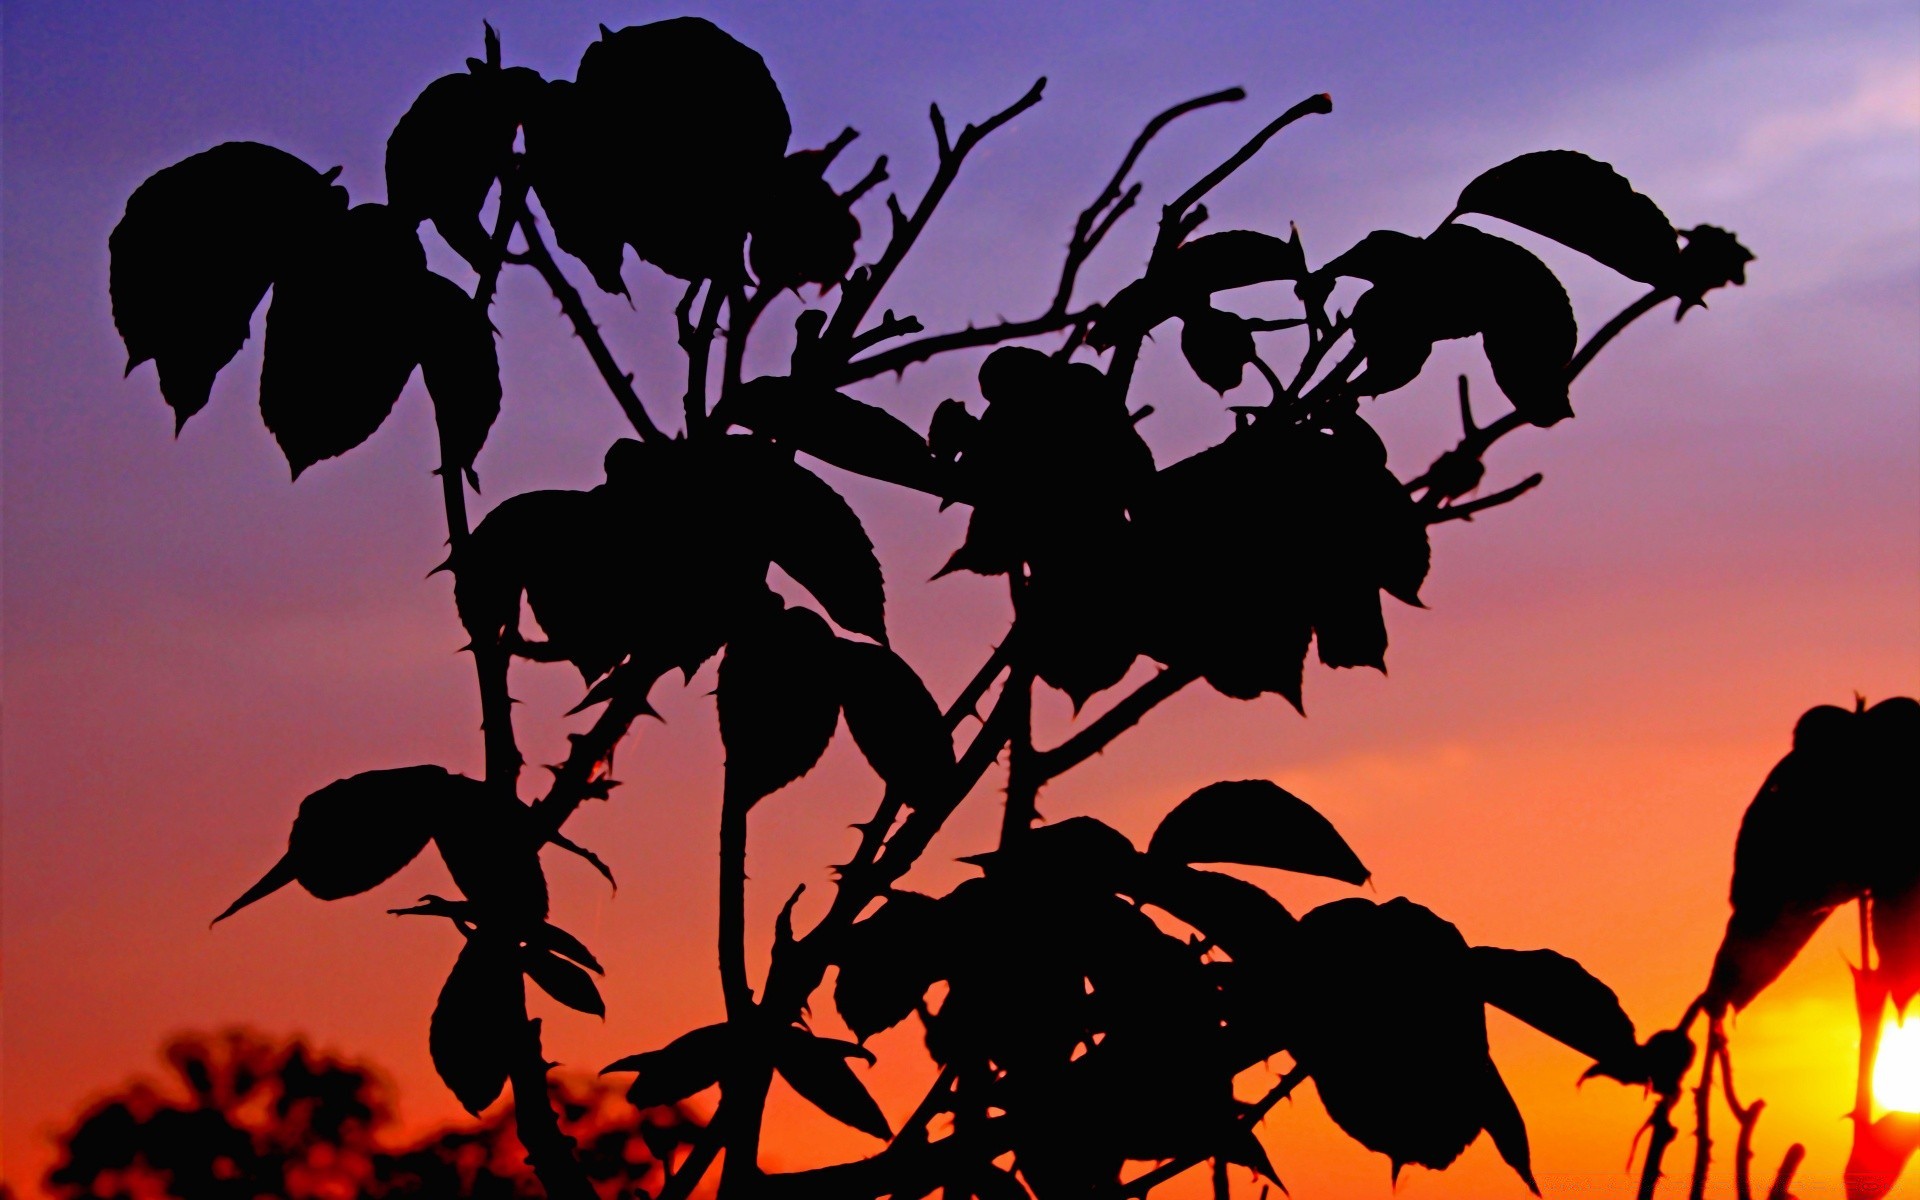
<point x="278" y="876"/>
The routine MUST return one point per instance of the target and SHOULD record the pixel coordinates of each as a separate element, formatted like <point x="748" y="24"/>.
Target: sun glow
<point x="1896" y="1068"/>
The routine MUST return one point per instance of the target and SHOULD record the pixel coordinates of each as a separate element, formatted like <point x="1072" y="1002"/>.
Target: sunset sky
<point x="1728" y="534"/>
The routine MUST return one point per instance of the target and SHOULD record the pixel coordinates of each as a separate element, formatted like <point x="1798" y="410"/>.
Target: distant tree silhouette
<point x="1076" y="1033"/>
<point x="246" y="1118"/>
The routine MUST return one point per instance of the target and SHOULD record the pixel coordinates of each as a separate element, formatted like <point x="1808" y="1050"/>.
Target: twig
<point x="618" y="382"/>
<point x="860" y="292"/>
<point x="699" y="352"/>
<point x="1703" y="1112"/>
<point x="1124" y="715"/>
<point x="550" y="1152"/>
<point x="1782" y="1188"/>
<point x="1748" y="1116"/>
<point x="1320" y="104"/>
<point x="965" y="704"/>
<point x="699" y="1161"/>
<point x="1464" y="512"/>
<point x="1142" y="1184"/>
<point x="1023" y="776"/>
<point x="590" y="759"/>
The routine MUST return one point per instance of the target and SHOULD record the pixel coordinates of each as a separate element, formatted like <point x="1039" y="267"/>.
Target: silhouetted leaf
<point x="1880" y="1152"/>
<point x="450" y="146"/>
<point x="199" y="245"/>
<point x="817" y="1069"/>
<point x="894" y="720"/>
<point x="491" y="845"/>
<point x="1256" y="823"/>
<point x="1389" y="1025"/>
<point x="817" y="539"/>
<point x="460" y="366"/>
<point x="802" y="231"/>
<point x="1218" y="346"/>
<point x="568" y="144"/>
<point x="1889" y="773"/>
<point x="1458" y="283"/>
<point x="777" y="710"/>
<point x="1583" y="204"/>
<point x="356" y="833"/>
<point x="477" y="1024"/>
<point x="563" y="981"/>
<point x="1505" y="1125"/>
<point x="887" y="962"/>
<point x="832" y="427"/>
<point x="689" y="1063"/>
<point x="341" y="335"/>
<point x="683" y="174"/>
<point x="1560" y="998"/>
<point x="552" y="937"/>
<point x="1217" y="262"/>
<point x="1239" y="917"/>
<point x="1079" y="632"/>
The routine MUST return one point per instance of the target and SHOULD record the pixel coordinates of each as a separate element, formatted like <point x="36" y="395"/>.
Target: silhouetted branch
<point x="890" y="327"/>
<point x="590" y="759"/>
<point x="618" y="382"/>
<point x="699" y="354"/>
<point x="1464" y="512"/>
<point x="1023" y="768"/>
<point x="706" y="1147"/>
<point x="1782" y="1188"/>
<point x="1320" y="104"/>
<point x="965" y="704"/>
<point x="901" y="357"/>
<point x="1142" y="1184"/>
<point x="1124" y="715"/>
<point x="866" y="284"/>
<point x="1703" y="1112"/>
<point x="550" y="1152"/>
<point x="1748" y="1116"/>
<point x="875" y="176"/>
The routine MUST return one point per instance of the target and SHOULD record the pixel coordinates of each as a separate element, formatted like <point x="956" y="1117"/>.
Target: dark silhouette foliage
<point x="243" y="1117"/>
<point x="1089" y="1004"/>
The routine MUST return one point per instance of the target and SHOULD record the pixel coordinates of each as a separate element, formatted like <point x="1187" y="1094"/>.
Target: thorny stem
<point x="1101" y="732"/>
<point x="1023" y="777"/>
<point x="1748" y="1116"/>
<point x="1089" y="230"/>
<point x="694" y="1167"/>
<point x="550" y="1152"/>
<point x="1703" y="1111"/>
<point x="699" y="352"/>
<point x="1141" y="1185"/>
<point x="1662" y="1130"/>
<point x="860" y="291"/>
<point x="618" y="382"/>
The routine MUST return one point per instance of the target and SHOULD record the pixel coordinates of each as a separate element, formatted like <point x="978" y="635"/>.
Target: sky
<point x="1728" y="534"/>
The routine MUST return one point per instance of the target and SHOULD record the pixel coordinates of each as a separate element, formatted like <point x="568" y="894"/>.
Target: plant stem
<point x="1124" y="715"/>
<point x="1023" y="775"/>
<point x="550" y="1152"/>
<point x="1703" y="1112"/>
<point x="618" y="382"/>
<point x="699" y="353"/>
<point x="1143" y="1184"/>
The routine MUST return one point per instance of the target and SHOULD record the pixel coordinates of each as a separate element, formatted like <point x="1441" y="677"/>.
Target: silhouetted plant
<point x="246" y="1118"/>
<point x="1836" y="822"/>
<point x="1076" y="1033"/>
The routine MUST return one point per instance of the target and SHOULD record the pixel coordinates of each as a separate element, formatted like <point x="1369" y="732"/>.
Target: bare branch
<point x="1321" y="104"/>
<point x="890" y="327"/>
<point x="875" y="176"/>
<point x="1140" y="1185"/>
<point x="618" y="382"/>
<point x="1124" y="715"/>
<point x="901" y="357"/>
<point x="1465" y="512"/>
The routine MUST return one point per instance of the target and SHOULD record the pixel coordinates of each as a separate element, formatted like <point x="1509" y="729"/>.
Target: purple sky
<point x="1728" y="534"/>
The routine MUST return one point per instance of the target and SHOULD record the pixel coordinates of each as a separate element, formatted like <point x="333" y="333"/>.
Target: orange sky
<point x="1728" y="534"/>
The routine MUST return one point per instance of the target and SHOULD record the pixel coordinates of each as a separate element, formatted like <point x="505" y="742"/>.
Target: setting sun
<point x="1896" y="1068"/>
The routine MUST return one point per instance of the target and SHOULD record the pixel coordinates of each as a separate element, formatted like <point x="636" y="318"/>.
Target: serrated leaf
<point x="1583" y="204"/>
<point x="1257" y="823"/>
<point x="460" y="366"/>
<point x="894" y="720"/>
<point x="563" y="981"/>
<point x="341" y="336"/>
<point x="816" y="538"/>
<point x="1560" y="998"/>
<point x="1385" y="1019"/>
<point x="1239" y="917"/>
<point x="199" y="245"/>
<point x="777" y="707"/>
<point x="832" y="427"/>
<point x="1217" y="345"/>
<point x="567" y="143"/>
<point x="681" y="176"/>
<point x="886" y="963"/>
<point x="356" y="833"/>
<point x="476" y="1024"/>
<point x="448" y="148"/>
<point x="1218" y="262"/>
<point x="817" y="1069"/>
<point x="690" y="1063"/>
